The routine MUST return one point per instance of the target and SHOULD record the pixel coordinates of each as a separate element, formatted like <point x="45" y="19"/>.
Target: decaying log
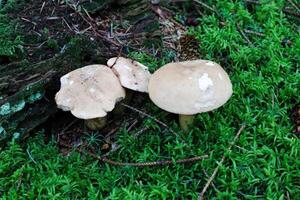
<point x="27" y="90"/>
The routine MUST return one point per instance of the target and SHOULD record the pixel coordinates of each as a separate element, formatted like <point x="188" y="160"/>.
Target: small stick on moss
<point x="252" y="1"/>
<point x="294" y="5"/>
<point x="42" y="8"/>
<point x="288" y="195"/>
<point x="63" y="19"/>
<point x="20" y="178"/>
<point x="205" y="6"/>
<point x="208" y="183"/>
<point x="143" y="130"/>
<point x="139" y="164"/>
<point x="244" y="35"/>
<point x="135" y="136"/>
<point x="212" y="183"/>
<point x="132" y="125"/>
<point x="87" y="13"/>
<point x="119" y="54"/>
<point x="286" y="11"/>
<point x="156" y="120"/>
<point x="27" y="20"/>
<point x="31" y="158"/>
<point x="254" y="32"/>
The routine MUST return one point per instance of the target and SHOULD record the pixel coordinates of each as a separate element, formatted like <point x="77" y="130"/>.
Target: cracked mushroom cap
<point x="89" y="92"/>
<point x="190" y="87"/>
<point x="132" y="74"/>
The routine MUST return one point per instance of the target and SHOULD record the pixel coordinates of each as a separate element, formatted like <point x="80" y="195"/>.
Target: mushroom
<point x="89" y="93"/>
<point x="190" y="87"/>
<point x="132" y="74"/>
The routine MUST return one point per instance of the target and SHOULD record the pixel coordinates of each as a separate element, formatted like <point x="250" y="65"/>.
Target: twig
<point x="212" y="183"/>
<point x="288" y="195"/>
<point x="132" y="125"/>
<point x="42" y="44"/>
<point x="205" y="6"/>
<point x="67" y="24"/>
<point x="241" y="148"/>
<point x="139" y="164"/>
<point x="119" y="54"/>
<point x="252" y="1"/>
<point x="294" y="5"/>
<point x="52" y="11"/>
<point x="70" y="125"/>
<point x="178" y="24"/>
<point x="52" y="18"/>
<point x="93" y="26"/>
<point x="27" y="20"/>
<point x="156" y="120"/>
<point x="208" y="183"/>
<point x="291" y="13"/>
<point x="20" y="178"/>
<point x="254" y="32"/>
<point x="87" y="13"/>
<point x="31" y="158"/>
<point x="97" y="33"/>
<point x="287" y="11"/>
<point x="244" y="35"/>
<point x="110" y="134"/>
<point x="85" y="30"/>
<point x="66" y="128"/>
<point x="135" y="136"/>
<point x="43" y="5"/>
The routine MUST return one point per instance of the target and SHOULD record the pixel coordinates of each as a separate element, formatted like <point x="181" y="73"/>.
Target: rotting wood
<point x="27" y="90"/>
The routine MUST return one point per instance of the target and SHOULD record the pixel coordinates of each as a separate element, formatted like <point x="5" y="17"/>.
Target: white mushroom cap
<point x="89" y="92"/>
<point x="132" y="74"/>
<point x="190" y="87"/>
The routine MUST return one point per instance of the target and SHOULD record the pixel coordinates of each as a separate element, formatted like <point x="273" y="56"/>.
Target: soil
<point x="50" y="26"/>
<point x="70" y="131"/>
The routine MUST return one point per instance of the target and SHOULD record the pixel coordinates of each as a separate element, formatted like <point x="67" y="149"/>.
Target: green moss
<point x="153" y="62"/>
<point x="17" y="107"/>
<point x="8" y="109"/>
<point x="2" y="131"/>
<point x="5" y="109"/>
<point x="35" y="97"/>
<point x="16" y="135"/>
<point x="263" y="164"/>
<point x="9" y="40"/>
<point x="53" y="44"/>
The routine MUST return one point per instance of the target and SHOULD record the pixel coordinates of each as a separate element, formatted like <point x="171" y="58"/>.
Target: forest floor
<point x="256" y="42"/>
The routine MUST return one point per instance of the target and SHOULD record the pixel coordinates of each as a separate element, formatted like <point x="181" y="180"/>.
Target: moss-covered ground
<point x="259" y="46"/>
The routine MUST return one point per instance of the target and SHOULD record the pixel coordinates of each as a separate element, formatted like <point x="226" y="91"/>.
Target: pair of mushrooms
<point x="185" y="88"/>
<point x="92" y="91"/>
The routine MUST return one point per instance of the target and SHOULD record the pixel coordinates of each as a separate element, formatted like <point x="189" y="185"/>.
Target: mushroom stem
<point x="185" y="121"/>
<point x="119" y="109"/>
<point x="96" y="123"/>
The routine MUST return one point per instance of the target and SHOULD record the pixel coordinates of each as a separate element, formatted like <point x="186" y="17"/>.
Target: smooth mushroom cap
<point x="132" y="74"/>
<point x="190" y="87"/>
<point x="89" y="92"/>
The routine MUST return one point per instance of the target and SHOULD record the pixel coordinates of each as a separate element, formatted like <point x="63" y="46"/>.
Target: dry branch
<point x="156" y="120"/>
<point x="208" y="183"/>
<point x="139" y="164"/>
